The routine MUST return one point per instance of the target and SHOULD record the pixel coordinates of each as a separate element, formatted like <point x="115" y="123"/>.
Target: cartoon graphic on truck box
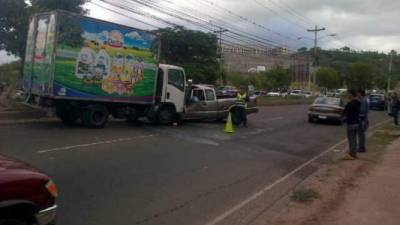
<point x="84" y="64"/>
<point x="102" y="65"/>
<point x="108" y="59"/>
<point x="116" y="39"/>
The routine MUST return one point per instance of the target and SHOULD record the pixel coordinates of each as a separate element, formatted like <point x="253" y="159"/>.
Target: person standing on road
<point x="241" y="100"/>
<point x="395" y="106"/>
<point x="352" y="117"/>
<point x="364" y="122"/>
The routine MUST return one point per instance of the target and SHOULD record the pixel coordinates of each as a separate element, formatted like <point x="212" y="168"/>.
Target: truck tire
<point x="95" y="116"/>
<point x="166" y="115"/>
<point x="133" y="116"/>
<point x="12" y="222"/>
<point x="68" y="115"/>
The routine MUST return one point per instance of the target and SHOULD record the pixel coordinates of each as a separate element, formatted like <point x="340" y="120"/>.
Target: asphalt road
<point x="194" y="174"/>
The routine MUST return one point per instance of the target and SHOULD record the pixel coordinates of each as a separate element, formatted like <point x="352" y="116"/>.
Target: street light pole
<point x="316" y="61"/>
<point x="390" y="71"/>
<point x="220" y="32"/>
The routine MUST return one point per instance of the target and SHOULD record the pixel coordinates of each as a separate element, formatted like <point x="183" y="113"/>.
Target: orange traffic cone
<point x="229" y="126"/>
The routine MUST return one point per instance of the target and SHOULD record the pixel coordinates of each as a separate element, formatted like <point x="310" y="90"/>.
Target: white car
<point x="307" y="94"/>
<point x="296" y="93"/>
<point x="273" y="94"/>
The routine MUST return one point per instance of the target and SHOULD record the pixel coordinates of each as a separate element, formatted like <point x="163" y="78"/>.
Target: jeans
<point x="352" y="130"/>
<point x="362" y="127"/>
<point x="243" y="116"/>
<point x="395" y="113"/>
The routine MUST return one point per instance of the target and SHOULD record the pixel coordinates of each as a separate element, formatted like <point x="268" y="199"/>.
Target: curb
<point x="27" y="121"/>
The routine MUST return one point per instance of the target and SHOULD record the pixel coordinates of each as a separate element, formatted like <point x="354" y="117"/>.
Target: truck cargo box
<point x="69" y="56"/>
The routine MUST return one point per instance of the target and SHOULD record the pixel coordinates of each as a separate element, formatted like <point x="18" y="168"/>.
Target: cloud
<point x="134" y="35"/>
<point x="100" y="37"/>
<point x="359" y="24"/>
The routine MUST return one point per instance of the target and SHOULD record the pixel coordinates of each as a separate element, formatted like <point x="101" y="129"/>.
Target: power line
<point x="296" y="13"/>
<point x="252" y="22"/>
<point x="129" y="9"/>
<point x="129" y="17"/>
<point x="300" y="27"/>
<point x="201" y="24"/>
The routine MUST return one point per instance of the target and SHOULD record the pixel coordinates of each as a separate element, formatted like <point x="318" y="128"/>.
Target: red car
<point x="27" y="196"/>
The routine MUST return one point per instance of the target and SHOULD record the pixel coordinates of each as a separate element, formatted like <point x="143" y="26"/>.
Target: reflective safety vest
<point x="241" y="99"/>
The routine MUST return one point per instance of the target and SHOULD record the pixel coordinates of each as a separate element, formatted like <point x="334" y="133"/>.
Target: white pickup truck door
<point x="203" y="104"/>
<point x="211" y="104"/>
<point x="175" y="91"/>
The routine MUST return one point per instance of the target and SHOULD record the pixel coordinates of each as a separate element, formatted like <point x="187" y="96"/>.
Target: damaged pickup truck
<point x="203" y="104"/>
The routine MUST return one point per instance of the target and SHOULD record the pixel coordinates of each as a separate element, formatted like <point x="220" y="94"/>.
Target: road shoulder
<point x="338" y="187"/>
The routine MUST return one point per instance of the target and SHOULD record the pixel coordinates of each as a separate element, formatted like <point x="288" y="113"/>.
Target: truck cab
<point x="170" y="93"/>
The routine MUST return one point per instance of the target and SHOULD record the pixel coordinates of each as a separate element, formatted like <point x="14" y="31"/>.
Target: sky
<point x="369" y="25"/>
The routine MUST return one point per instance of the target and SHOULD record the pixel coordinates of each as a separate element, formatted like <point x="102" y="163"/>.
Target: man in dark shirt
<point x="352" y="116"/>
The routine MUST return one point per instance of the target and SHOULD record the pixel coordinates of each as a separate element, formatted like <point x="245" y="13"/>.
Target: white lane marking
<point x="92" y="144"/>
<point x="280" y="180"/>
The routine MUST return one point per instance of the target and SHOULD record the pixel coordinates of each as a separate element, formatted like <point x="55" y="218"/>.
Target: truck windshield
<point x="176" y="78"/>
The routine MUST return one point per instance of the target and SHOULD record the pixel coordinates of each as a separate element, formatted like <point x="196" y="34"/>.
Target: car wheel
<point x="12" y="222"/>
<point x="95" y="116"/>
<point x="310" y="119"/>
<point x="166" y="115"/>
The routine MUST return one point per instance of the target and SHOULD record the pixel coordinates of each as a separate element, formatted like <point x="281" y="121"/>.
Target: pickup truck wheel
<point x="12" y="222"/>
<point x="166" y="115"/>
<point x="95" y="116"/>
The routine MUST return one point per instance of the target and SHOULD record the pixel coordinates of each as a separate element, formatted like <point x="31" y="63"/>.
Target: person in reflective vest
<point x="241" y="102"/>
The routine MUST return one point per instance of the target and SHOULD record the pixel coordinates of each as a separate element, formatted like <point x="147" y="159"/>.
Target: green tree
<point x="278" y="78"/>
<point x="360" y="75"/>
<point x="328" y="78"/>
<point x="302" y="49"/>
<point x="196" y="51"/>
<point x="14" y="26"/>
<point x="15" y="16"/>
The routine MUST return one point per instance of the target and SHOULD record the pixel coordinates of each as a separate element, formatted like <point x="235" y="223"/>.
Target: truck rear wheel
<point x="166" y="115"/>
<point x="95" y="116"/>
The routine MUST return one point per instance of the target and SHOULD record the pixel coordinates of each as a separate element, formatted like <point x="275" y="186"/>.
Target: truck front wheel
<point x="95" y="116"/>
<point x="166" y="115"/>
<point x="67" y="114"/>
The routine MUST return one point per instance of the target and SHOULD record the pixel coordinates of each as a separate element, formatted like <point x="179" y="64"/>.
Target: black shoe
<point x="362" y="150"/>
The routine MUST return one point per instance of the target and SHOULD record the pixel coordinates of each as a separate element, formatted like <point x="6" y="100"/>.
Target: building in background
<point x="244" y="59"/>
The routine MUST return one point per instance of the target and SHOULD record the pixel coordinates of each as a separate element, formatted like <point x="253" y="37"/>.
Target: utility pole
<point x="220" y="32"/>
<point x="316" y="60"/>
<point x="390" y="71"/>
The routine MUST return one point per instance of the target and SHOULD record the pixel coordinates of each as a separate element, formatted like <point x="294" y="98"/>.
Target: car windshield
<point x="376" y="97"/>
<point x="327" y="101"/>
